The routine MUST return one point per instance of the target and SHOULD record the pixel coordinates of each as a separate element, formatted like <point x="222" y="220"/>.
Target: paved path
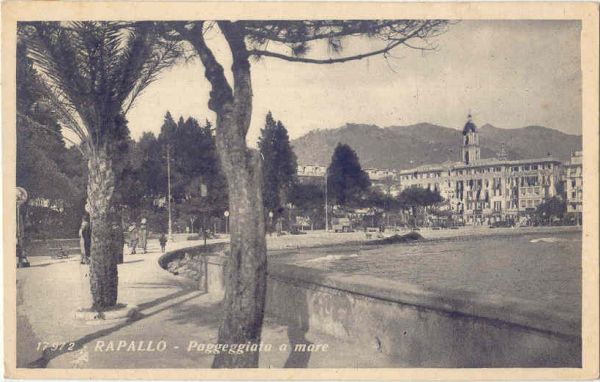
<point x="172" y="310"/>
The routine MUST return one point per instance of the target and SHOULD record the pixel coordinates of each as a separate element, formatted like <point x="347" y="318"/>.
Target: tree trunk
<point x="103" y="264"/>
<point x="245" y="288"/>
<point x="246" y="282"/>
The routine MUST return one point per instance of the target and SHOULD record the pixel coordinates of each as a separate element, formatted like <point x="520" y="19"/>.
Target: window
<point x="522" y="204"/>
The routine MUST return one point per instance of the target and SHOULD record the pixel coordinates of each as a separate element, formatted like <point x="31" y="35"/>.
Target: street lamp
<point x="22" y="261"/>
<point x="226" y="214"/>
<point x="270" y="222"/>
<point x="326" y="207"/>
<point x="203" y="195"/>
<point x="169" y="191"/>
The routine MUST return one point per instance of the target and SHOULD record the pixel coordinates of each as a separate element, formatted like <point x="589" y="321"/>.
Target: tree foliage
<point x="554" y="207"/>
<point x="94" y="71"/>
<point x="279" y="164"/>
<point x="309" y="199"/>
<point x="194" y="164"/>
<point x="51" y="173"/>
<point x="419" y="197"/>
<point x="377" y="198"/>
<point x="346" y="180"/>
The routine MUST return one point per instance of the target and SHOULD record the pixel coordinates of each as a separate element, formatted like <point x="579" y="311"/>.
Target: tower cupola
<point x="470" y="148"/>
<point x="469" y="126"/>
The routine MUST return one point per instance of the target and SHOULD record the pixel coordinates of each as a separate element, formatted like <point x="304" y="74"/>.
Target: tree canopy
<point x="94" y="71"/>
<point x="279" y="163"/>
<point x="419" y="197"/>
<point x="52" y="174"/>
<point x="554" y="207"/>
<point x="346" y="180"/>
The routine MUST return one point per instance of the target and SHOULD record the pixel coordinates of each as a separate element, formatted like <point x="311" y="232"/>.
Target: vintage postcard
<point x="303" y="190"/>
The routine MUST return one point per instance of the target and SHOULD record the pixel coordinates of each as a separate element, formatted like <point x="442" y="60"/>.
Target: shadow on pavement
<point x="201" y="315"/>
<point x="49" y="354"/>
<point x="297" y="326"/>
<point x="131" y="262"/>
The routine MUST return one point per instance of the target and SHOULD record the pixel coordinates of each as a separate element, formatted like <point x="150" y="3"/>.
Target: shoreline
<point x="321" y="239"/>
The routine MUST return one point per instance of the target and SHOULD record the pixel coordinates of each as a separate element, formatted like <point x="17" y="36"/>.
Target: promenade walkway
<point x="172" y="310"/>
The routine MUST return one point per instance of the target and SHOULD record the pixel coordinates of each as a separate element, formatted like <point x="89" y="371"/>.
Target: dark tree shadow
<point x="297" y="326"/>
<point x="201" y="315"/>
<point x="131" y="262"/>
<point x="49" y="354"/>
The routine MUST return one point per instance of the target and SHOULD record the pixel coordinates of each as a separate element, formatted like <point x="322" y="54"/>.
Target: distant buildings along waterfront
<point x="573" y="181"/>
<point x="479" y="191"/>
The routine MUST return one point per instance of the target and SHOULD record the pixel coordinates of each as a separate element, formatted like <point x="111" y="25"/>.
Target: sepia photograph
<point x="283" y="190"/>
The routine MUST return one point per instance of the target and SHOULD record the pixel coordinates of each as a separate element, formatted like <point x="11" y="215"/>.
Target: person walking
<point x="143" y="235"/>
<point x="117" y="235"/>
<point x="133" y="238"/>
<point x="163" y="242"/>
<point x="85" y="240"/>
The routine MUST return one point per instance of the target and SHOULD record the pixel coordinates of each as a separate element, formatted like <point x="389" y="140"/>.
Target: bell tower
<point x="470" y="148"/>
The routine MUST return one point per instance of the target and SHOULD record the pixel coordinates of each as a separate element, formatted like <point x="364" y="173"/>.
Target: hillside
<point x="409" y="146"/>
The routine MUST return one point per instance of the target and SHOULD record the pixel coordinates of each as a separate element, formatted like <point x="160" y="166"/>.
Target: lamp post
<point x="22" y="261"/>
<point x="169" y="191"/>
<point x="226" y="214"/>
<point x="203" y="195"/>
<point x="270" y="222"/>
<point x="326" y="206"/>
<point x="290" y="206"/>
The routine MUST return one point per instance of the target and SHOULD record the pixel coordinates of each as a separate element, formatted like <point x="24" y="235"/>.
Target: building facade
<point x="573" y="184"/>
<point x="482" y="191"/>
<point x="311" y="174"/>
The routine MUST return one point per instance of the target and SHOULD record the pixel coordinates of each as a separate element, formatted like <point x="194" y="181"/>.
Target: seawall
<point x="405" y="323"/>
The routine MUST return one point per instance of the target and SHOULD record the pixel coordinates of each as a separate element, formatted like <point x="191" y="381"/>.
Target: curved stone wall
<point x="404" y="323"/>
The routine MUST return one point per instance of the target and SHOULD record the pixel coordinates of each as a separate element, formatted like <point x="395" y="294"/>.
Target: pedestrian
<point x="85" y="240"/>
<point x="133" y="238"/>
<point x="143" y="235"/>
<point x="118" y="239"/>
<point x="163" y="242"/>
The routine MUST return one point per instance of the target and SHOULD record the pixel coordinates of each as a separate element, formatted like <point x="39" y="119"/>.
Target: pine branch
<point x="298" y="34"/>
<point x="285" y="57"/>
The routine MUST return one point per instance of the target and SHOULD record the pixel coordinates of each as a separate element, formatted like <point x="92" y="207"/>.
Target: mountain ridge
<point x="408" y="146"/>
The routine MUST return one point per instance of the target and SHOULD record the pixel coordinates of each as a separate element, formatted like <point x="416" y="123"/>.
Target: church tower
<point x="470" y="148"/>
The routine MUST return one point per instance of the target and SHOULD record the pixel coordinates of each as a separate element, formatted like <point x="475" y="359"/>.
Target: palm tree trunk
<point x="103" y="264"/>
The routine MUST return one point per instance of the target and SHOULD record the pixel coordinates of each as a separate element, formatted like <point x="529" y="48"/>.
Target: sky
<point x="507" y="73"/>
